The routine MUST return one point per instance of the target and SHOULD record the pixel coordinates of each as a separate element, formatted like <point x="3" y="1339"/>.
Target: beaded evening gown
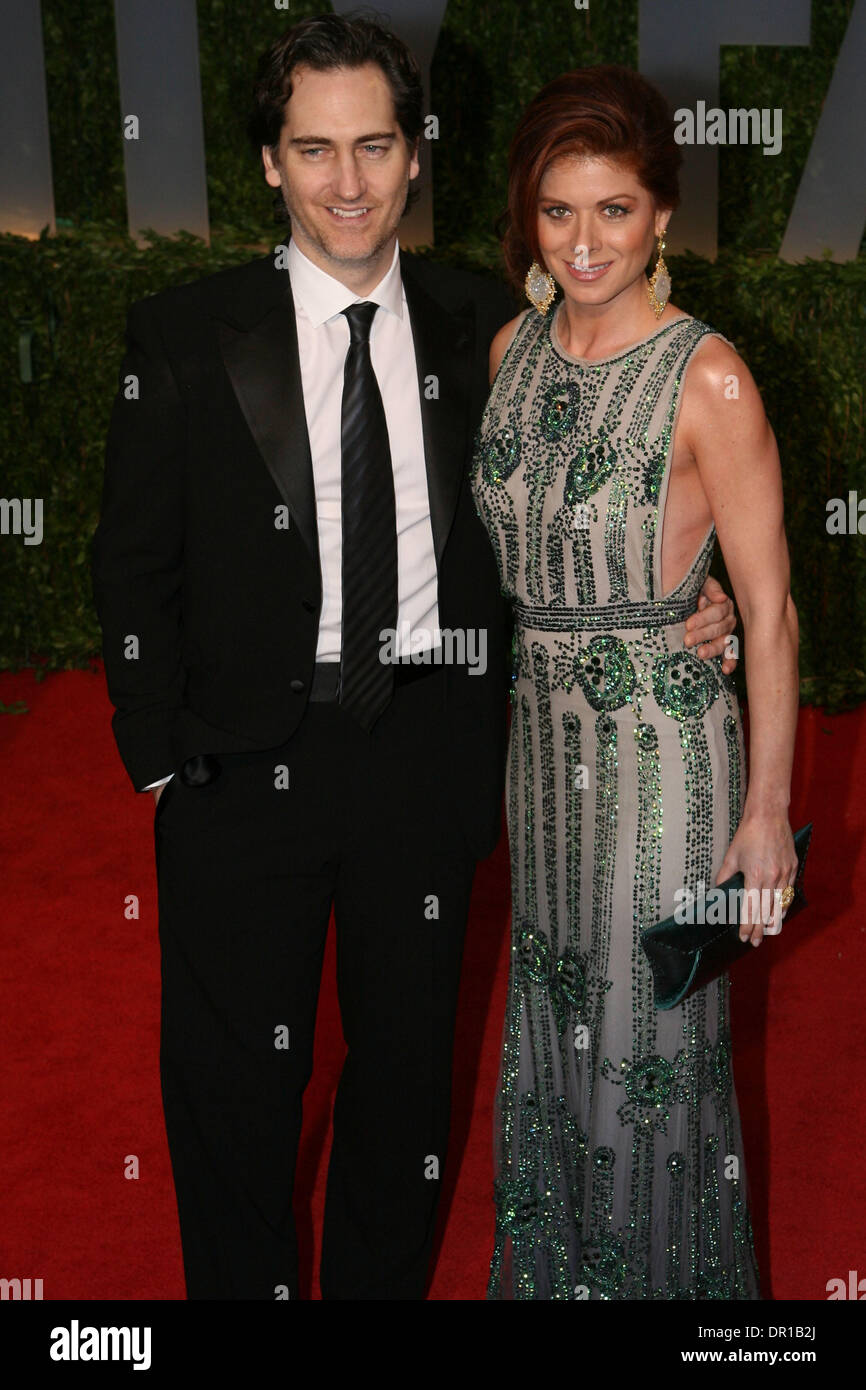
<point x="618" y="1153"/>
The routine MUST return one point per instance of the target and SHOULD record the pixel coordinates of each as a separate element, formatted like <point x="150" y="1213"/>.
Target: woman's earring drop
<point x="659" y="287"/>
<point x="540" y="288"/>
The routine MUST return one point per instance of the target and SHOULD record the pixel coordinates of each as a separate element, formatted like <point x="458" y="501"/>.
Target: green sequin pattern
<point x="619" y="1164"/>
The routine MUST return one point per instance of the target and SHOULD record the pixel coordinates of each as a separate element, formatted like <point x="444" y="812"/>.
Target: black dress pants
<point x="248" y="868"/>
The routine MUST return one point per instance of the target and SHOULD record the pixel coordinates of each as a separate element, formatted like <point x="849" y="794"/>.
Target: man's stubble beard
<point x="282" y="214"/>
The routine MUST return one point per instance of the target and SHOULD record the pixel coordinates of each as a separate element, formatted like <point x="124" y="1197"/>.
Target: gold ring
<point x="787" y="897"/>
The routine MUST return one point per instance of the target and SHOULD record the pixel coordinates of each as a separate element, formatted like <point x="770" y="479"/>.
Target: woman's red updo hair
<point x="605" y="112"/>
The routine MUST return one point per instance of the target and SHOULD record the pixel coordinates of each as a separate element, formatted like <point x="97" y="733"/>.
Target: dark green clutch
<point x="685" y="956"/>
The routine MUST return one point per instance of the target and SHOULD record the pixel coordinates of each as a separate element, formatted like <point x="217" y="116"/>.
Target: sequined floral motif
<point x="528" y="1212"/>
<point x="564" y="977"/>
<point x="649" y="1081"/>
<point x="605" y="672"/>
<point x="604" y="1264"/>
<point x="683" y="685"/>
<point x="559" y="411"/>
<point x="500" y="455"/>
<point x="517" y="1205"/>
<point x="649" y="1085"/>
<point x="589" y="470"/>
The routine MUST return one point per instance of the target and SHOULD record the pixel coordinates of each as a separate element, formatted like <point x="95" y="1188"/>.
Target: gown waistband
<point x="656" y="613"/>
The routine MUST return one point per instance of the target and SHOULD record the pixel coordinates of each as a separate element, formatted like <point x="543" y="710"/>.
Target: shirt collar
<point x="321" y="297"/>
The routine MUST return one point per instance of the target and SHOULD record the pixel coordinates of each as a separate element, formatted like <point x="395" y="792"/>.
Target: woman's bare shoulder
<point x="717" y="374"/>
<point x="719" y="395"/>
<point x="503" y="340"/>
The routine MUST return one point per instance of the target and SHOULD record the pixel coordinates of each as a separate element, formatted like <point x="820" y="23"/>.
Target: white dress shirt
<point x="323" y="341"/>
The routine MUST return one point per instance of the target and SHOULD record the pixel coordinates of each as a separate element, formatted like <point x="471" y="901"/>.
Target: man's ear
<point x="272" y="173"/>
<point x="414" y="166"/>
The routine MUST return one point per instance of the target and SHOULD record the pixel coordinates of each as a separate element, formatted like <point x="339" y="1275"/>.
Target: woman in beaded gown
<point x="618" y="1151"/>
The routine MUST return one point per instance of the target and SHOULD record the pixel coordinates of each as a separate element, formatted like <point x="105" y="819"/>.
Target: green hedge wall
<point x="801" y="329"/>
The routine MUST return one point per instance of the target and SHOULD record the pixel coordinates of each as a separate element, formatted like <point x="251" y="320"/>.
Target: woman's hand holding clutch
<point x="762" y="850"/>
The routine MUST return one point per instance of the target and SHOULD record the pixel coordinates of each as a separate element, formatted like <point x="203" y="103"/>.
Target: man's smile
<point x="349" y="214"/>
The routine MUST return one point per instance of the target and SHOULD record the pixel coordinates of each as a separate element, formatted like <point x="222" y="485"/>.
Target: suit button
<point x="200" y="770"/>
<point x="308" y="606"/>
<point x="297" y="686"/>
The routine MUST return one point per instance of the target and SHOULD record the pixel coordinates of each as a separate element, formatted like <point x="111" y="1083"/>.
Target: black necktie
<point x="369" y="530"/>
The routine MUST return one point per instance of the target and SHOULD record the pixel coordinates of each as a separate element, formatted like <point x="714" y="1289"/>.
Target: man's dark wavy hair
<point x="326" y="42"/>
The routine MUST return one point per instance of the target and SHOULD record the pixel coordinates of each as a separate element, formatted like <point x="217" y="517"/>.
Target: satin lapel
<point x="262" y="363"/>
<point x="444" y="344"/>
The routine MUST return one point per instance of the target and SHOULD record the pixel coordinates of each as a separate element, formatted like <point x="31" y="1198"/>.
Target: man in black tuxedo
<point x="286" y="481"/>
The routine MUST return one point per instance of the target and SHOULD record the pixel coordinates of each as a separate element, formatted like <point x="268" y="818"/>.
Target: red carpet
<point x="80" y="1008"/>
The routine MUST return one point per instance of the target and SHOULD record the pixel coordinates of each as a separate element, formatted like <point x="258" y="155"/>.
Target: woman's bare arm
<point x="738" y="465"/>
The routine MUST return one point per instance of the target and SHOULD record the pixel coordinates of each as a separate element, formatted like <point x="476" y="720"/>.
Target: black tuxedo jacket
<point x="209" y="609"/>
